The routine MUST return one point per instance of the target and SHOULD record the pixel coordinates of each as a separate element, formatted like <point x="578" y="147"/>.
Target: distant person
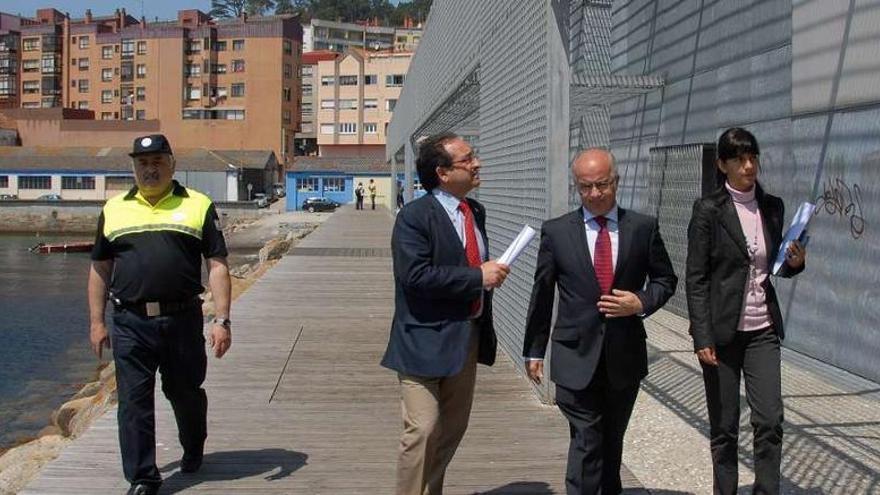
<point x="147" y="261"/>
<point x="442" y="322"/>
<point x="359" y="196"/>
<point x="372" y="188"/>
<point x="612" y="270"/>
<point x="735" y="320"/>
<point x="399" y="195"/>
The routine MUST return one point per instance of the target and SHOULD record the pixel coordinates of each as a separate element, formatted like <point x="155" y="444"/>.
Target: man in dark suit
<point x="442" y="311"/>
<point x="600" y="257"/>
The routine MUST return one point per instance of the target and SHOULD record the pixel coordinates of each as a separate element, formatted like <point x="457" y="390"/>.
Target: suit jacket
<point x="433" y="290"/>
<point x="581" y="333"/>
<point x="718" y="266"/>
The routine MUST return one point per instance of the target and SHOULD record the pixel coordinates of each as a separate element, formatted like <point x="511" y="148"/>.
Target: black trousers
<point x="359" y="203"/>
<point x="755" y="356"/>
<point x="373" y="200"/>
<point x="174" y="345"/>
<point x="597" y="416"/>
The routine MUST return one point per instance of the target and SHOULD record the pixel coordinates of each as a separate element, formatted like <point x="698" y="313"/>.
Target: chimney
<point x="244" y="17"/>
<point x="143" y="22"/>
<point x="88" y="16"/>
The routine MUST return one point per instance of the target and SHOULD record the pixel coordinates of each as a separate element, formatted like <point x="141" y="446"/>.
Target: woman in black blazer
<point x="735" y="321"/>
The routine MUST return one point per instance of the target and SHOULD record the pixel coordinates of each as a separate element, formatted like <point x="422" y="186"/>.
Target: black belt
<point x="150" y="309"/>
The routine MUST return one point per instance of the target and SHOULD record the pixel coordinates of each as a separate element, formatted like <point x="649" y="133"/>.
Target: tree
<point x="284" y="7"/>
<point x="224" y="9"/>
<point x="258" y="7"/>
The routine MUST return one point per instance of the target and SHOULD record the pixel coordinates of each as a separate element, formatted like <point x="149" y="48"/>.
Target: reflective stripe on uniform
<point x="183" y="214"/>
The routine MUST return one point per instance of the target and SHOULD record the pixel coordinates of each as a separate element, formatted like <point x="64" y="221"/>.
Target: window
<point x="127" y="48"/>
<point x="307" y="184"/>
<point x="83" y="64"/>
<point x="30" y="104"/>
<point x="306" y="110"/>
<point x="348" y="80"/>
<point x="288" y="71"/>
<point x="106" y="75"/>
<point x="193" y="93"/>
<point x="238" y="65"/>
<point x="328" y="104"/>
<point x="141" y="71"/>
<point x="77" y="182"/>
<point x="107" y="52"/>
<point x="334" y="184"/>
<point x="327" y="80"/>
<point x="237" y="90"/>
<point x="237" y="45"/>
<point x="371" y="103"/>
<point x="83" y="42"/>
<point x="390" y="104"/>
<point x="218" y="68"/>
<point x="141" y="47"/>
<point x="394" y="80"/>
<point x="82" y="105"/>
<point x="327" y="128"/>
<point x="307" y="70"/>
<point x="348" y="104"/>
<point x="48" y="64"/>
<point x="140" y="115"/>
<point x="35" y="182"/>
<point x="348" y="128"/>
<point x="287" y="46"/>
<point x="285" y="93"/>
<point x="119" y="182"/>
<point x="83" y="85"/>
<point x="371" y="79"/>
<point x="306" y="89"/>
<point x="369" y="128"/>
<point x="192" y="70"/>
<point x="107" y="96"/>
<point x="31" y="87"/>
<point x="194" y="46"/>
<point x="30" y="44"/>
<point x="32" y="65"/>
<point x="106" y="116"/>
<point x="285" y="116"/>
<point x="220" y="46"/>
<point x="140" y="93"/>
<point x="4" y="181"/>
<point x="8" y="86"/>
<point x="218" y="92"/>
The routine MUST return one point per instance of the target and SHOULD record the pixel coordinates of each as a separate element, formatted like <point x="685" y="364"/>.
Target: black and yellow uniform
<point x="157" y="253"/>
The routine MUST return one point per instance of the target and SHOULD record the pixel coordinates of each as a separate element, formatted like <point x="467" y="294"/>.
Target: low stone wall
<point x="81" y="217"/>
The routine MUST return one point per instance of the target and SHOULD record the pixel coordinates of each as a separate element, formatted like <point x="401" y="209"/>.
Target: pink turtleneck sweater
<point x="755" y="315"/>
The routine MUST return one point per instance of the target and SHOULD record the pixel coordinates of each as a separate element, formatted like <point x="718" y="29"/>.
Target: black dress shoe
<point x="143" y="489"/>
<point x="190" y="464"/>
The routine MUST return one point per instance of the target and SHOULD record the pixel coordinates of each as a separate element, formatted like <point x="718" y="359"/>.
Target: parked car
<point x="278" y="189"/>
<point x="319" y="204"/>
<point x="8" y="196"/>
<point x="261" y="200"/>
<point x="50" y="197"/>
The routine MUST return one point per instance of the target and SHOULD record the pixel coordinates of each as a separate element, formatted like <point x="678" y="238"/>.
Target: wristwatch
<point x="222" y="321"/>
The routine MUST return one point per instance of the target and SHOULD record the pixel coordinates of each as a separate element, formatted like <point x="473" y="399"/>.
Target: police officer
<point x="147" y="262"/>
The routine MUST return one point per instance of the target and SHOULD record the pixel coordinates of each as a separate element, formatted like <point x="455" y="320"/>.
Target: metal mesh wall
<point x="590" y="36"/>
<point x="675" y="182"/>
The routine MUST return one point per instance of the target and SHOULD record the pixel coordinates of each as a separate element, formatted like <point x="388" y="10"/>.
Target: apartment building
<point x="307" y="138"/>
<point x="230" y="84"/>
<point x="321" y="35"/>
<point x="356" y="95"/>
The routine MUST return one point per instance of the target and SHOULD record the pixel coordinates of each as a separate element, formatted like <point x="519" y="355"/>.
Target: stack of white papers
<point x="516" y="247"/>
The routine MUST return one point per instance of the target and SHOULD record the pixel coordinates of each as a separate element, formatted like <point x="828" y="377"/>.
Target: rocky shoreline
<point x="21" y="463"/>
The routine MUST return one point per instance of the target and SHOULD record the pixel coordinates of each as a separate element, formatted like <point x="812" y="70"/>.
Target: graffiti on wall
<point x="844" y="201"/>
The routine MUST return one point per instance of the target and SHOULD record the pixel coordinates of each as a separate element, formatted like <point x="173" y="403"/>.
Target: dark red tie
<point x="602" y="256"/>
<point x="471" y="248"/>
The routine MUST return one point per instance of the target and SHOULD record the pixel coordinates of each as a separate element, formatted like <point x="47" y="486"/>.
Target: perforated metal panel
<point x="676" y="179"/>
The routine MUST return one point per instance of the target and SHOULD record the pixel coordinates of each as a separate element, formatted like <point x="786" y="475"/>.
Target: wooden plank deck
<point x="332" y="425"/>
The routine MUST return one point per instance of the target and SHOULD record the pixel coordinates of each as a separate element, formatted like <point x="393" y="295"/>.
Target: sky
<point x="163" y="9"/>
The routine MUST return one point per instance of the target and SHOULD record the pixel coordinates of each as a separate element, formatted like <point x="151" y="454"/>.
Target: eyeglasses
<point x="601" y="186"/>
<point x="468" y="160"/>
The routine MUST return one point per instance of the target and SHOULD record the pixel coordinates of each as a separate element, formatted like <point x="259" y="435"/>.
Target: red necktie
<point x="602" y="256"/>
<point x="471" y="248"/>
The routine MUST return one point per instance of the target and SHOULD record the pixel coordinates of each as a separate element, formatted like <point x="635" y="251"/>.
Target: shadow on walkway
<point x="521" y="488"/>
<point x="274" y="464"/>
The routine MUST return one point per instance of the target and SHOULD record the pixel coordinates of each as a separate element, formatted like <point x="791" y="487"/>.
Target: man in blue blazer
<point x="442" y="311"/>
<point x="611" y="269"/>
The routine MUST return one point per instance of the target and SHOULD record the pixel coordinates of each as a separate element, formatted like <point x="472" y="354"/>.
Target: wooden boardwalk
<point x="332" y="425"/>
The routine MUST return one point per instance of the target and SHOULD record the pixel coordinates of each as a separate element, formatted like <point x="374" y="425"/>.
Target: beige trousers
<point x="435" y="417"/>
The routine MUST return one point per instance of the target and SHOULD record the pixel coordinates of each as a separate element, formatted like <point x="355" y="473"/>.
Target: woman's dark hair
<point x="433" y="154"/>
<point x="735" y="142"/>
